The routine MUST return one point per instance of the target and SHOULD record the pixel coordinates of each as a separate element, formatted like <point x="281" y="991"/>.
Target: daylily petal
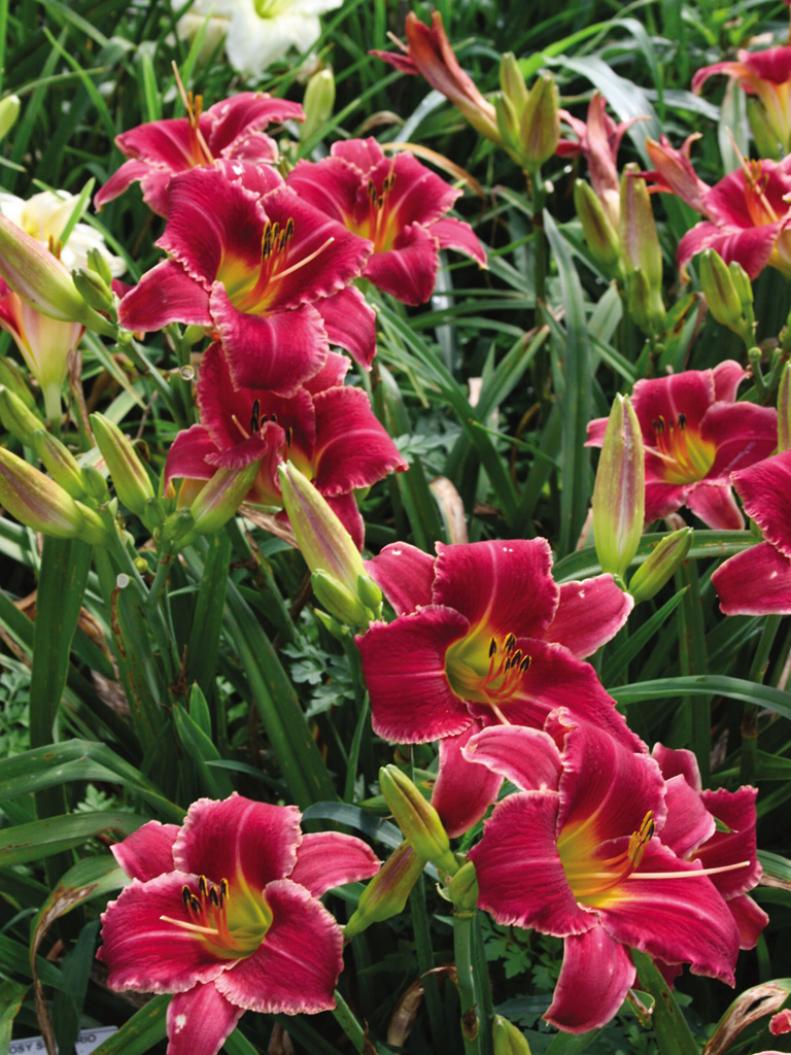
<point x="155" y="185"/>
<point x="690" y="393"/>
<point x="527" y="757"/>
<point x="751" y="247"/>
<point x="463" y="792"/>
<point x="764" y="490"/>
<point x="405" y="575"/>
<point x="754" y="582"/>
<point x="170" y="142"/>
<point x="743" y="434"/>
<point x="716" y="506"/>
<point x="121" y="180"/>
<point x="330" y="185"/>
<point x="417" y="195"/>
<point x="589" y="614"/>
<point x="749" y="918"/>
<point x="404" y="669"/>
<point x="238" y="837"/>
<point x="728" y="376"/>
<point x="187" y="456"/>
<point x="200" y="1021"/>
<point x="352" y="447"/>
<point x="662" y="499"/>
<point x="148" y="852"/>
<point x="678" y="762"/>
<point x="688" y="822"/>
<point x="735" y="810"/>
<point x="245" y="113"/>
<point x="365" y="154"/>
<point x="454" y="234"/>
<point x="144" y="952"/>
<point x="595" y="976"/>
<point x="296" y="967"/>
<point x="350" y="323"/>
<point x="277" y="351"/>
<point x="329" y="859"/>
<point x="408" y="271"/>
<point x="521" y="880"/>
<point x="335" y="369"/>
<point x="164" y="294"/>
<point x="503" y="587"/>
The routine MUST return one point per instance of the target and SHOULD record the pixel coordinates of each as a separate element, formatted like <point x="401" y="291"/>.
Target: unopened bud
<point x="512" y="82"/>
<point x="94" y="290"/>
<point x="130" y="479"/>
<point x="98" y="262"/>
<point x="17" y="418"/>
<point x="661" y="564"/>
<point x="718" y="287"/>
<point x="39" y="503"/>
<point x="639" y="239"/>
<point x="619" y="490"/>
<point x="600" y="235"/>
<point x="12" y="377"/>
<point x="323" y="541"/>
<point x="539" y="125"/>
<point x="644" y="302"/>
<point x="387" y="893"/>
<point x="220" y="498"/>
<point x="463" y="888"/>
<point x="417" y="818"/>
<point x="9" y="112"/>
<point x="318" y="103"/>
<point x="37" y="276"/>
<point x="60" y="463"/>
<point x="508" y="127"/>
<point x="508" y="1040"/>
<point x="369" y="593"/>
<point x="339" y="602"/>
<point x="784" y="410"/>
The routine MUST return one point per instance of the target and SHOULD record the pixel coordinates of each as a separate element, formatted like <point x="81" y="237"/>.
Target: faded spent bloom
<point x="224" y="913"/>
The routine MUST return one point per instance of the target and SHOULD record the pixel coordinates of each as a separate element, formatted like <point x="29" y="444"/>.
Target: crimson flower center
<point x="379" y="223"/>
<point x="486" y="674"/>
<point x="230" y="924"/>
<point x="685" y="454"/>
<point x="591" y="877"/>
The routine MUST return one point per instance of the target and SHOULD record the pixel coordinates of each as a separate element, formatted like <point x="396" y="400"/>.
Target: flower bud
<point x="417" y="818"/>
<point x="38" y="502"/>
<point x="318" y="103"/>
<point x="37" y="276"/>
<point x="718" y="287"/>
<point x="512" y="82"/>
<point x="463" y="888"/>
<point x="12" y="377"/>
<point x="600" y="236"/>
<point x="220" y="498"/>
<point x="744" y="288"/>
<point x="644" y="302"/>
<point x="129" y="476"/>
<point x="784" y="410"/>
<point x="619" y="490"/>
<point x="661" y="564"/>
<point x="94" y="290"/>
<point x="9" y="112"/>
<point x="369" y="593"/>
<point x="324" y="542"/>
<point x="98" y="262"/>
<point x="388" y="891"/>
<point x="539" y="125"/>
<point x="60" y="463"/>
<point x="508" y="1040"/>
<point x="765" y="136"/>
<point x="339" y="602"/>
<point x="508" y="127"/>
<point x="19" y="419"/>
<point x="639" y="239"/>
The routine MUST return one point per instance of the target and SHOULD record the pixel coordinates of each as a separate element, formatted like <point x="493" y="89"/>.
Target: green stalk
<point x="749" y="727"/>
<point x="425" y="962"/>
<point x="692" y="660"/>
<point x="347" y="1020"/>
<point x="462" y="950"/>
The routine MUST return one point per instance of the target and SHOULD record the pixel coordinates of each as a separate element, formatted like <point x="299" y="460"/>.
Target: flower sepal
<point x="387" y="893"/>
<point x="661" y="564"/>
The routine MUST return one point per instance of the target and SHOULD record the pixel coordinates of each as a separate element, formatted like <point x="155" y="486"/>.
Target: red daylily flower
<point x="266" y="272"/>
<point x="326" y="429"/>
<point x="599" y="140"/>
<point x="766" y="74"/>
<point x="223" y="912"/>
<point x="397" y="204"/>
<point x="229" y="130"/>
<point x="757" y="581"/>
<point x="428" y="54"/>
<point x="747" y="214"/>
<point x="579" y="853"/>
<point x="695" y="435"/>
<point x="484" y="635"/>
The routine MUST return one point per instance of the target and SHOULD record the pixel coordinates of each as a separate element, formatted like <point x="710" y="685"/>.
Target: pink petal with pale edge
<point x="200" y="1021"/>
<point x="751" y="247"/>
<point x="245" y="113"/>
<point x="155" y="186"/>
<point x="353" y="448"/>
<point x="662" y="499"/>
<point x="164" y="294"/>
<point x="595" y="976"/>
<point x="171" y="142"/>
<point x="688" y="822"/>
<point x="502" y="587"/>
<point x="332" y="373"/>
<point x="521" y="881"/>
<point x="690" y="393"/>
<point x="780" y="1023"/>
<point x="742" y="433"/>
<point x="589" y="614"/>
<point x="728" y="375"/>
<point x="596" y="431"/>
<point x="755" y="582"/>
<point x="404" y="668"/>
<point x="144" y="952"/>
<point x="329" y="859"/>
<point x="364" y="154"/>
<point x="405" y="575"/>
<point x="749" y="918"/>
<point x="408" y="271"/>
<point x="678" y="920"/>
<point x="716" y="506"/>
<point x="148" y="852"/>
<point x="417" y="195"/>
<point x="277" y="351"/>
<point x="238" y="837"/>
<point x="331" y="185"/>
<point x="528" y="758"/>
<point x="764" y="489"/>
<point x="295" y="970"/>
<point x="736" y="811"/>
<point x="678" y="762"/>
<point x="187" y="456"/>
<point x="130" y="172"/>
<point x="463" y="792"/>
<point x="350" y="323"/>
<point x="455" y="234"/>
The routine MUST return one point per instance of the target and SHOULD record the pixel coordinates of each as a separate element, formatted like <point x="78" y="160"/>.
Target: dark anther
<point x="492" y="647"/>
<point x="525" y="664"/>
<point x="224" y="891"/>
<point x="289" y="436"/>
<point x="186" y="896"/>
<point x="682" y="421"/>
<point x="510" y="643"/>
<point x="203" y="886"/>
<point x="254" y="422"/>
<point x="194" y="903"/>
<point x="214" y="897"/>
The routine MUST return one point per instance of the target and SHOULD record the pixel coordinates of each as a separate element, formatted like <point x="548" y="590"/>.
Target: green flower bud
<point x="37" y="276"/>
<point x="508" y="1040"/>
<point x="95" y="483"/>
<point x="9" y="112"/>
<point x="600" y="236"/>
<point x="512" y="82"/>
<point x="94" y="290"/>
<point x="644" y="303"/>
<point x="661" y="564"/>
<point x="718" y="287"/>
<point x="417" y="818"/>
<point x="784" y="410"/>
<point x="220" y="498"/>
<point x="619" y="490"/>
<point x="318" y="103"/>
<point x="508" y="127"/>
<point x="17" y="417"/>
<point x="463" y="888"/>
<point x="339" y="602"/>
<point x="369" y="593"/>
<point x="539" y="125"/>
<point x="387" y="893"/>
<point x="60" y="463"/>
<point x="98" y="263"/>
<point x="38" y="502"/>
<point x="639" y="239"/>
<point x="15" y="381"/>
<point x="130" y="479"/>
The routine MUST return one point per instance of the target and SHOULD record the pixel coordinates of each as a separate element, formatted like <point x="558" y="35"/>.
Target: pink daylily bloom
<point x="757" y="581"/>
<point x="599" y="140"/>
<point x="747" y="214"/>
<point x="223" y="913"/>
<point x="695" y="436"/>
<point x="44" y="343"/>
<point x="780" y="1023"/>
<point x="579" y="853"/>
<point x="484" y="635"/>
<point x="397" y="204"/>
<point x="259" y="271"/>
<point x="327" y="430"/>
<point x="766" y="74"/>
<point x="229" y="130"/>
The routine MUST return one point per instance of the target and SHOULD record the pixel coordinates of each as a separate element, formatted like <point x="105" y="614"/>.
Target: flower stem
<point x="462" y="948"/>
<point x="52" y="407"/>
<point x="749" y="726"/>
<point x="347" y="1020"/>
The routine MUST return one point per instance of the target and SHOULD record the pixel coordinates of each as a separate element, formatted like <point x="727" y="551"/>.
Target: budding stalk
<point x="619" y="490"/>
<point x="387" y="893"/>
<point x="416" y="817"/>
<point x="661" y="564"/>
<point x="129" y="476"/>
